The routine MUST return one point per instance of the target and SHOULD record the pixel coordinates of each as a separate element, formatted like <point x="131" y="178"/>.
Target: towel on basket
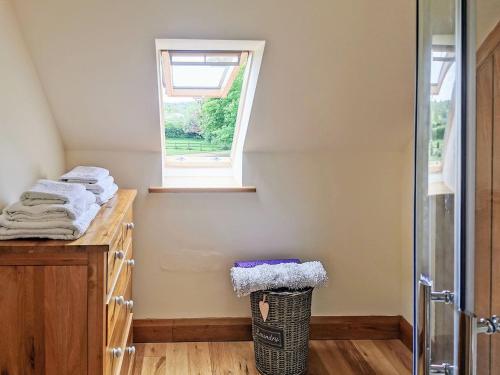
<point x="52" y="192"/>
<point x="285" y="275"/>
<point x="55" y="229"/>
<point x="43" y="212"/>
<point x="85" y="174"/>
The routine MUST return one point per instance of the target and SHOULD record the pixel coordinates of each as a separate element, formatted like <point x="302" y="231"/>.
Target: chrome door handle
<point x="426" y="297"/>
<point x="423" y="349"/>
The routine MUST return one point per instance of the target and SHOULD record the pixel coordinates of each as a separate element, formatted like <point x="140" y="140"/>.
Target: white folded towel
<point x="100" y="186"/>
<point x="286" y="275"/>
<point x="43" y="212"/>
<point x="85" y="174"/>
<point x="106" y="195"/>
<point x="56" y="229"/>
<point x="52" y="192"/>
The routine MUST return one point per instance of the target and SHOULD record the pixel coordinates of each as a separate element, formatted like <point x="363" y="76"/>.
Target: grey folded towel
<point x="52" y="192"/>
<point x="85" y="174"/>
<point x="285" y="275"/>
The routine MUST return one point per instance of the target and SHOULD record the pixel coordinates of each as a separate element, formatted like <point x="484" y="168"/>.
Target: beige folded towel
<point x="43" y="212"/>
<point x="54" y="229"/>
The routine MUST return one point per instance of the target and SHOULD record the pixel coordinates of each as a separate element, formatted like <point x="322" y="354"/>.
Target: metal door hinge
<point x="444" y="368"/>
<point x="488" y="326"/>
<point x="445" y="296"/>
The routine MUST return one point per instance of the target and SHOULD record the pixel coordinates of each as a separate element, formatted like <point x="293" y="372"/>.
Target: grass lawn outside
<point x="186" y="146"/>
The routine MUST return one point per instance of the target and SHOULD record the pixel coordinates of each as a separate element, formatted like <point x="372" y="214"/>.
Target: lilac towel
<point x="253" y="263"/>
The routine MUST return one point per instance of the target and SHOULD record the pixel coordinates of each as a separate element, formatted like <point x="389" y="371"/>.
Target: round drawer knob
<point x="120" y="300"/>
<point x="130" y="350"/>
<point x="130" y="226"/>
<point x="117" y="352"/>
<point x="129" y="304"/>
<point x="120" y="254"/>
<point x="131" y="262"/>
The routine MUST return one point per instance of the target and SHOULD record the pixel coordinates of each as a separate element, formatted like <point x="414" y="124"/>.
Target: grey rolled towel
<point x="285" y="275"/>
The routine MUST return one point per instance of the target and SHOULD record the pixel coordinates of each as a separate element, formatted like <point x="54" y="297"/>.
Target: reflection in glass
<point x="437" y="168"/>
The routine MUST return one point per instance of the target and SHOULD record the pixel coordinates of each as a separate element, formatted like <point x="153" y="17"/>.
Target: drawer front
<point x="119" y="356"/>
<point x="129" y="358"/>
<point x="127" y="227"/>
<point x="121" y="301"/>
<point x="119" y="349"/>
<point x="118" y="250"/>
<point x="116" y="257"/>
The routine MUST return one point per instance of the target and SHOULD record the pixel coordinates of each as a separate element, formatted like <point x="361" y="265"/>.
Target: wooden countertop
<point x="100" y="233"/>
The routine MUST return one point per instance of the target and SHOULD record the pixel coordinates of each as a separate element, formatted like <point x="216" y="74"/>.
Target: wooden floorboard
<point x="326" y="357"/>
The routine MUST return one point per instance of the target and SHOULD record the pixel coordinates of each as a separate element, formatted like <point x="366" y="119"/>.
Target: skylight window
<point x="443" y="58"/>
<point x="201" y="73"/>
<point x="206" y="94"/>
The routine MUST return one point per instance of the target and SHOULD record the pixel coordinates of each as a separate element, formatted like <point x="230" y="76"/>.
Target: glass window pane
<point x="195" y="130"/>
<point x="205" y="58"/>
<point x="177" y="57"/>
<point x="223" y="58"/>
<point x="204" y="77"/>
<point x="436" y="66"/>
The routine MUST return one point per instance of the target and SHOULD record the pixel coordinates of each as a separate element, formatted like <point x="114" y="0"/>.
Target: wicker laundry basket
<point x="282" y="341"/>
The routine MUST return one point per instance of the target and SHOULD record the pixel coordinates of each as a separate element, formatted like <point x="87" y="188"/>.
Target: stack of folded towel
<point x="95" y="179"/>
<point x="49" y="209"/>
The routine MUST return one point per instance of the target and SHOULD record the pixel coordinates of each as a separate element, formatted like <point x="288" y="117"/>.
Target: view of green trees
<point x="439" y="121"/>
<point x="203" y="125"/>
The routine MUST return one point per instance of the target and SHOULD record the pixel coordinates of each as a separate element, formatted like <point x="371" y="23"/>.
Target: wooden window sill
<point x="201" y="189"/>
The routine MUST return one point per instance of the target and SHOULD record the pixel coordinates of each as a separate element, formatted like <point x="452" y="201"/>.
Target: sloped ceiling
<point x="488" y="15"/>
<point x="336" y="74"/>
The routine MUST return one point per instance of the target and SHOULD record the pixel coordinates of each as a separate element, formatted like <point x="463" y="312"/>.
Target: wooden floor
<point x="339" y="357"/>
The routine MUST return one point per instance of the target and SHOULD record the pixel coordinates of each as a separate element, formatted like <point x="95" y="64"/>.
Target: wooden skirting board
<point x="406" y="333"/>
<point x="240" y="329"/>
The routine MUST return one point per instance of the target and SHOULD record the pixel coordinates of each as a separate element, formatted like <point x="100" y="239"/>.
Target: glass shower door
<point x="439" y="183"/>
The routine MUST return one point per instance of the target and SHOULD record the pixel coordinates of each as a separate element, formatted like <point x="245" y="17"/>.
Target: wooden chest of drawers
<point x="66" y="306"/>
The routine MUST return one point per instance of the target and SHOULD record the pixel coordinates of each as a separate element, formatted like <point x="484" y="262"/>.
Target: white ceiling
<point x="335" y="74"/>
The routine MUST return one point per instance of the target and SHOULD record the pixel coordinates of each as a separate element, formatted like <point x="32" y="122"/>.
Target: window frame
<point x="255" y="50"/>
<point x="207" y="92"/>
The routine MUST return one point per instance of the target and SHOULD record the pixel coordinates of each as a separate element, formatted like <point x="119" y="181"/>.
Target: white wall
<point x="332" y="115"/>
<point x="30" y="144"/>
<point x="341" y="208"/>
